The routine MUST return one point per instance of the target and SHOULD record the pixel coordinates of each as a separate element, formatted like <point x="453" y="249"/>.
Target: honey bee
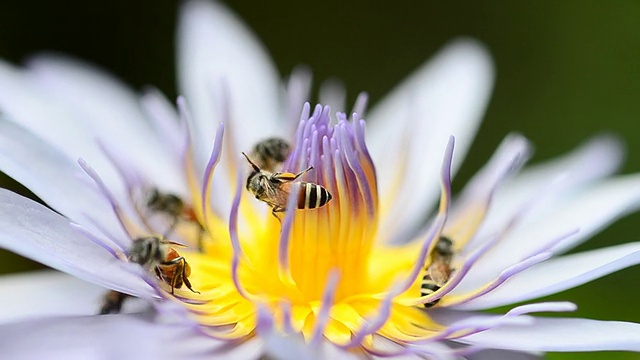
<point x="274" y="189"/>
<point x="439" y="270"/>
<point x="269" y="154"/>
<point x="154" y="252"/>
<point x="172" y="206"/>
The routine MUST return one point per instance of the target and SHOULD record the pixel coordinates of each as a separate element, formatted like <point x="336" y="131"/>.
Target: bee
<point x="172" y="206"/>
<point x="439" y="270"/>
<point x="269" y="154"/>
<point x="112" y="303"/>
<point x="274" y="189"/>
<point x="154" y="252"/>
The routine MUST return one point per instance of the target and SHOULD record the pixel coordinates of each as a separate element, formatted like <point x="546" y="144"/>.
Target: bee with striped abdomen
<point x="439" y="270"/>
<point x="269" y="154"/>
<point x="154" y="252"/>
<point x="274" y="189"/>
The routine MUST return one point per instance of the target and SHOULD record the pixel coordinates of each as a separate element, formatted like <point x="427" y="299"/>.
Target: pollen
<point x="319" y="270"/>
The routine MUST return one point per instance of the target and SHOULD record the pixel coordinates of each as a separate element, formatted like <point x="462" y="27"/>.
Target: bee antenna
<point x="254" y="166"/>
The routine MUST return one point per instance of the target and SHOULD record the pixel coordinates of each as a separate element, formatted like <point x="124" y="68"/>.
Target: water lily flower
<point x="372" y="271"/>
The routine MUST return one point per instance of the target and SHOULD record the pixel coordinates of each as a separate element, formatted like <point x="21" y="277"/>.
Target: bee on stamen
<point x="439" y="270"/>
<point x="274" y="189"/>
<point x="176" y="209"/>
<point x="271" y="153"/>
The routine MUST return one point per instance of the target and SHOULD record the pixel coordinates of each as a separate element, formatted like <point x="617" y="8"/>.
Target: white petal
<point x="112" y="113"/>
<point x="114" y="337"/>
<point x="23" y="102"/>
<point x="219" y="60"/>
<point x="410" y="128"/>
<point x="49" y="293"/>
<point x="597" y="158"/>
<point x="51" y="175"/>
<point x="589" y="211"/>
<point x="469" y="210"/>
<point x="561" y="334"/>
<point x="558" y="274"/>
<point x="33" y="231"/>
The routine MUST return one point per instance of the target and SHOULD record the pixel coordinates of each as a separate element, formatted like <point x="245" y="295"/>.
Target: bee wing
<point x="281" y="195"/>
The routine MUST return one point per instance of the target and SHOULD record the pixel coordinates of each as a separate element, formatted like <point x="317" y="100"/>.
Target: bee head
<point x="256" y="183"/>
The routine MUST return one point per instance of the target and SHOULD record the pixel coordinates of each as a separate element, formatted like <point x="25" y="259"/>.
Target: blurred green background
<point x="566" y="70"/>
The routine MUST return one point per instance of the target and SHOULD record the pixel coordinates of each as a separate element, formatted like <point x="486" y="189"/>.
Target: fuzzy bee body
<point x="171" y="206"/>
<point x="311" y="196"/>
<point x="274" y="189"/>
<point x="155" y="253"/>
<point x="269" y="154"/>
<point x="439" y="270"/>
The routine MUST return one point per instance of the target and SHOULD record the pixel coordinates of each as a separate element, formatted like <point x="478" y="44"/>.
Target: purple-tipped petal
<point x="31" y="230"/>
<point x="595" y="159"/>
<point x="51" y="175"/>
<point x="589" y="211"/>
<point x="558" y="274"/>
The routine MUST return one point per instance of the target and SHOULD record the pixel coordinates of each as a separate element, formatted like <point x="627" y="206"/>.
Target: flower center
<point x="313" y="263"/>
<point x="317" y="269"/>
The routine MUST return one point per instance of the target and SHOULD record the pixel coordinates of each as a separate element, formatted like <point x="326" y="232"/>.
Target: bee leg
<point x="113" y="301"/>
<point x="171" y="227"/>
<point x="302" y="172"/>
<point x="188" y="283"/>
<point x="277" y="209"/>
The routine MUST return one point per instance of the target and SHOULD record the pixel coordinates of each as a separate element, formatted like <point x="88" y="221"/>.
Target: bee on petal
<point x="439" y="270"/>
<point x="154" y="252"/>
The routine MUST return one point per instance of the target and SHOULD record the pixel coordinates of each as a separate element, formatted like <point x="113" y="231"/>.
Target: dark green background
<point x="566" y="70"/>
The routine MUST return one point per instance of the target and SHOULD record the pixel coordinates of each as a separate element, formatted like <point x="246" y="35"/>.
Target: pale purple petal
<point x="112" y="112"/>
<point x="597" y="158"/>
<point x="164" y="119"/>
<point x="589" y="211"/>
<point x="408" y="129"/>
<point x="51" y="175"/>
<point x="558" y="274"/>
<point x="33" y="231"/>
<point x="298" y="92"/>
<point x="216" y="52"/>
<point x="28" y="105"/>
<point x="333" y="94"/>
<point x="470" y="208"/>
<point x="561" y="334"/>
<point x="50" y="293"/>
<point x="114" y="337"/>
